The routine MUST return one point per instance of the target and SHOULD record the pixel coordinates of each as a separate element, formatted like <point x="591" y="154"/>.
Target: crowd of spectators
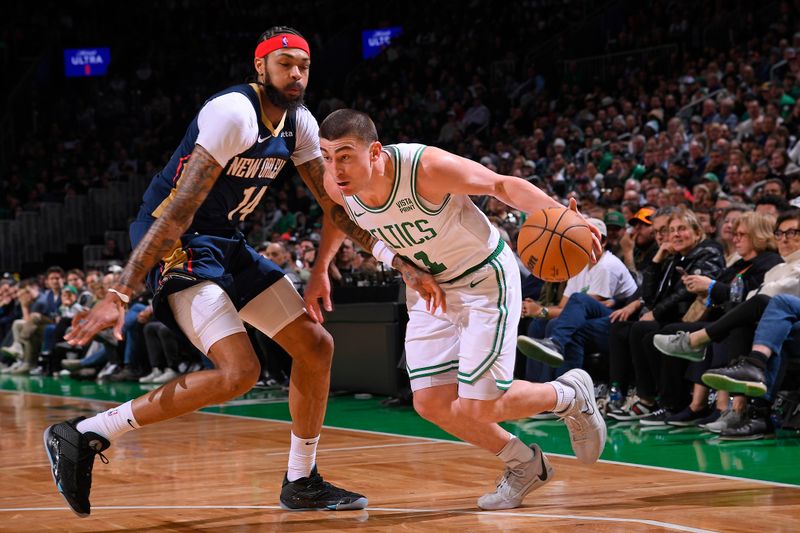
<point x="669" y="156"/>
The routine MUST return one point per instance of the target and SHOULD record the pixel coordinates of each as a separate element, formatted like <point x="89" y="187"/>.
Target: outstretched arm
<point x="197" y="179"/>
<point x="443" y="173"/>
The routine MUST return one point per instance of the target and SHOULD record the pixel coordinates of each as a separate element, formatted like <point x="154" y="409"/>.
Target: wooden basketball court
<point x="221" y="473"/>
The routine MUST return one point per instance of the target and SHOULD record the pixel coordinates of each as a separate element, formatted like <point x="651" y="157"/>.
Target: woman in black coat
<point x="755" y="243"/>
<point x="665" y="299"/>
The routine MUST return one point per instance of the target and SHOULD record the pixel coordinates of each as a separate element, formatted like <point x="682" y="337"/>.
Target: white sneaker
<point x="71" y="364"/>
<point x="587" y="429"/>
<point x="15" y="350"/>
<point x="156" y="372"/>
<point x="107" y="370"/>
<point x="23" y="368"/>
<point x="516" y="483"/>
<point x="167" y="375"/>
<point x="13" y="366"/>
<point x="194" y="367"/>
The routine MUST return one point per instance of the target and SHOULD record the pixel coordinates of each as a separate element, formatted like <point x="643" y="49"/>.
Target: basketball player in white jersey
<point x="460" y="359"/>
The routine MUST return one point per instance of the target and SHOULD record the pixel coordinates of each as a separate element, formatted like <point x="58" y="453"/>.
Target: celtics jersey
<point x="447" y="240"/>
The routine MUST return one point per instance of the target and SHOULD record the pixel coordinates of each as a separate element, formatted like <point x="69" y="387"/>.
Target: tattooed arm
<point x="196" y="181"/>
<point x="313" y="174"/>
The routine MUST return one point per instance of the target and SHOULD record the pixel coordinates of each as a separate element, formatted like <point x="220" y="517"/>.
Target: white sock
<point x="564" y="395"/>
<point x="302" y="456"/>
<point x="515" y="452"/>
<point x="112" y="423"/>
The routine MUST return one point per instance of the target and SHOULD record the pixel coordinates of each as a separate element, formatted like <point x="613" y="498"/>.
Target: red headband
<point x="282" y="40"/>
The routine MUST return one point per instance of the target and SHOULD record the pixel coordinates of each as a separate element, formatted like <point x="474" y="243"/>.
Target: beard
<point x="279" y="99"/>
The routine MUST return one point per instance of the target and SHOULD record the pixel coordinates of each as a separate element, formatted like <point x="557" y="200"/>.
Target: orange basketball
<point x="555" y="243"/>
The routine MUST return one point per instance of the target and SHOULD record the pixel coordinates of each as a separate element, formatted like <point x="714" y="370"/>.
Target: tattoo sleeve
<point x="313" y="173"/>
<point x="196" y="181"/>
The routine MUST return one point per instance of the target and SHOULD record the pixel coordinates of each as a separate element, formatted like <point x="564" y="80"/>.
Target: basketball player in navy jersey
<point x="207" y="281"/>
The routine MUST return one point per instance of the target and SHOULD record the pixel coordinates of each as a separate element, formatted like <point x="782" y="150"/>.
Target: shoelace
<point x="319" y="486"/>
<point x="502" y="480"/>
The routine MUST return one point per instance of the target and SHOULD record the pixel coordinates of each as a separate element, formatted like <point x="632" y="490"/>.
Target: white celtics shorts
<point x="474" y="343"/>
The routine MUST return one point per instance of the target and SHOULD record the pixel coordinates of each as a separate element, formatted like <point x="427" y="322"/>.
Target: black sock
<point x="758" y="359"/>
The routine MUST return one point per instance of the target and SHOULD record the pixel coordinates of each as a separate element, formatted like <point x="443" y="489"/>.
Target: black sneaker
<point x="312" y="493"/>
<point x="656" y="418"/>
<point x="740" y="376"/>
<point x="71" y="454"/>
<point x="636" y="411"/>
<point x="687" y="417"/>
<point x="546" y="350"/>
<point x="127" y="374"/>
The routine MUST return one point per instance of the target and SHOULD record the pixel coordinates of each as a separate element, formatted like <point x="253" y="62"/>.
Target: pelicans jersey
<point x="250" y="165"/>
<point x="474" y="343"/>
<point x="252" y="151"/>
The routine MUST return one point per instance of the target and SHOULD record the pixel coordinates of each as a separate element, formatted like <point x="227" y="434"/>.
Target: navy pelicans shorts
<point x="227" y="261"/>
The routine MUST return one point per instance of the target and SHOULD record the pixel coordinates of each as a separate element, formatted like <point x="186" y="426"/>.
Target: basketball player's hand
<point x="422" y="282"/>
<point x="318" y="288"/>
<point x="597" y="247"/>
<point x="109" y="312"/>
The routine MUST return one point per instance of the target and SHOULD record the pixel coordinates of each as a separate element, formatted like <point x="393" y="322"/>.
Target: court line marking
<point x="433" y="439"/>
<point x="647" y="522"/>
<point x="351" y="448"/>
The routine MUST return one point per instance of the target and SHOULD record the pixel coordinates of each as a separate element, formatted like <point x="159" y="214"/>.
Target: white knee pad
<point x="206" y="314"/>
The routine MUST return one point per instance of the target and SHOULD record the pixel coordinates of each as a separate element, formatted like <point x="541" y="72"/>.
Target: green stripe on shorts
<point x="500" y="328"/>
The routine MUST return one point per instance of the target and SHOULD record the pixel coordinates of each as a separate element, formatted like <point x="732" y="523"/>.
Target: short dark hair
<point x="348" y="122"/>
<point x="779" y="203"/>
<point x="28" y="282"/>
<point x="276" y="30"/>
<point x="56" y="269"/>
<point x="778" y="181"/>
<point x="78" y="272"/>
<point x="789" y="214"/>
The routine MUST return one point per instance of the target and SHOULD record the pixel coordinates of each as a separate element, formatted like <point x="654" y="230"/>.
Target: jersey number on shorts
<point x="433" y="268"/>
<point x="248" y="203"/>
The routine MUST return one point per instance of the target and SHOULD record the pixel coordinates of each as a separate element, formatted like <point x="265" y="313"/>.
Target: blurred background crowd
<point x="667" y="121"/>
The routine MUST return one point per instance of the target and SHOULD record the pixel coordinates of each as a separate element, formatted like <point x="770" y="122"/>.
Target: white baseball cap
<point x="599" y="224"/>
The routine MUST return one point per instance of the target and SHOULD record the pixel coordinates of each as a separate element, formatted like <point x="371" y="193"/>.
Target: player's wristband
<point x="383" y="254"/>
<point x="124" y="297"/>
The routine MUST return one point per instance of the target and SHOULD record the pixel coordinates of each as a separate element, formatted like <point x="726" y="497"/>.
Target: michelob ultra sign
<point x="373" y="41"/>
<point x="81" y="62"/>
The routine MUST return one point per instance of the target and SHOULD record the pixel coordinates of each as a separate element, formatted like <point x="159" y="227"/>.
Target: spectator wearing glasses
<point x="725" y="237"/>
<point x="666" y="300"/>
<point x="755" y="243"/>
<point x="765" y="312"/>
